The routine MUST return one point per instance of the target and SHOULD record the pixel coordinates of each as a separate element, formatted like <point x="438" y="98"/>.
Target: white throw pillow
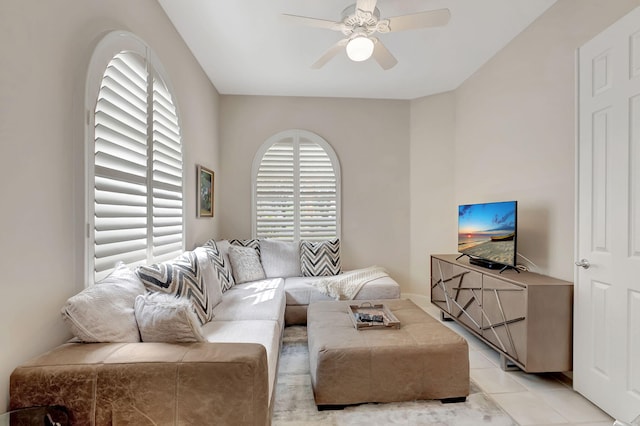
<point x="163" y="317"/>
<point x="104" y="311"/>
<point x="280" y="259"/>
<point x="245" y="264"/>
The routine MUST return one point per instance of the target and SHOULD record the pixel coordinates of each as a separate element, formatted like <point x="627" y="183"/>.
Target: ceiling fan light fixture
<point x="360" y="48"/>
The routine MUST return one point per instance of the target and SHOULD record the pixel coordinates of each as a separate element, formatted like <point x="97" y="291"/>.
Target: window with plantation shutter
<point x="296" y="188"/>
<point x="135" y="167"/>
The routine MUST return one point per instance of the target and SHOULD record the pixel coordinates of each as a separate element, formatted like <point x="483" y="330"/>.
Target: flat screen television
<point x="487" y="233"/>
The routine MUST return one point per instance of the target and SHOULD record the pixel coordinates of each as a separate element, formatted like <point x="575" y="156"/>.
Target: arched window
<point x="296" y="188"/>
<point x="134" y="173"/>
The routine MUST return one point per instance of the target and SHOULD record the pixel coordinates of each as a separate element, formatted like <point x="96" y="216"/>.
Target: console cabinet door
<point x="505" y="311"/>
<point x="466" y="297"/>
<point x="441" y="273"/>
<point x="458" y="292"/>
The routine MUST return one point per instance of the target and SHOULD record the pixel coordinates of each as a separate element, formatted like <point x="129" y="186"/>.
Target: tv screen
<point x="488" y="231"/>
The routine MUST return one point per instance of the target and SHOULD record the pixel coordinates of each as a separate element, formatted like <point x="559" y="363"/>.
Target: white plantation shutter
<point x="136" y="177"/>
<point x="275" y="200"/>
<point x="120" y="225"/>
<point x="296" y="179"/>
<point x="166" y="175"/>
<point x="318" y="193"/>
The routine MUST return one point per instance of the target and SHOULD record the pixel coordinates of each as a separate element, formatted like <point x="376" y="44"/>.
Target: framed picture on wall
<point x="205" y="192"/>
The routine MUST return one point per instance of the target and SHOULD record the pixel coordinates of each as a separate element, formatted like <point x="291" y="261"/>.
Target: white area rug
<point x="294" y="404"/>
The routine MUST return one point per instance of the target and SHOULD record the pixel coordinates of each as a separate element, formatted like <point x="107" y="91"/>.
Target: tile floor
<point x="530" y="399"/>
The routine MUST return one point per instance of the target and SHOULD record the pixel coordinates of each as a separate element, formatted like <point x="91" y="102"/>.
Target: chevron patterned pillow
<point x="320" y="258"/>
<point x="222" y="266"/>
<point x="255" y="244"/>
<point x="181" y="277"/>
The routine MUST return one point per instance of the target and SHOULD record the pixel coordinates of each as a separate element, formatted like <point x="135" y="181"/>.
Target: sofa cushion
<point x="320" y="258"/>
<point x="264" y="332"/>
<point x="380" y="288"/>
<point x="280" y="259"/>
<point x="218" y="253"/>
<point x="245" y="263"/>
<point x="263" y="299"/>
<point x="163" y="317"/>
<point x="300" y="291"/>
<point x="180" y="277"/>
<point x="104" y="312"/>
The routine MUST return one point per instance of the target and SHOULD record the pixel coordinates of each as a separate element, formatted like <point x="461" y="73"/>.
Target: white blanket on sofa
<point x="346" y="286"/>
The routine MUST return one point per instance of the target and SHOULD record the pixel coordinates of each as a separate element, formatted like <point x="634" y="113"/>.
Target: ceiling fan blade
<point x="382" y="55"/>
<point x="366" y="5"/>
<point x="329" y="54"/>
<point x="313" y="22"/>
<point x="431" y="18"/>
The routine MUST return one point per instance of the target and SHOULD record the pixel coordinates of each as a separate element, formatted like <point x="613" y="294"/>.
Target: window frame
<point x="104" y="52"/>
<point x="295" y="135"/>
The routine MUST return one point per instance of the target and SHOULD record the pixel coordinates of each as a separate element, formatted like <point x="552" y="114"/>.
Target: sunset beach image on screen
<point x="488" y="231"/>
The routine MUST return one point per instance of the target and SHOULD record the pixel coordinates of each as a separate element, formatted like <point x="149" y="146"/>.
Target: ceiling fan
<point x="360" y="21"/>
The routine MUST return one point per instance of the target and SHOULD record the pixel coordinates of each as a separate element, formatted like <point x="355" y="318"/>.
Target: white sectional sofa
<point x="303" y="264"/>
<point x="220" y="370"/>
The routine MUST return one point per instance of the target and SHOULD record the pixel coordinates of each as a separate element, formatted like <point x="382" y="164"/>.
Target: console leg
<point x="445" y="317"/>
<point x="507" y="365"/>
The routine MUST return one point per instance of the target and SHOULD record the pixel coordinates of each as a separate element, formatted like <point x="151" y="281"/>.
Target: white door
<point x="607" y="294"/>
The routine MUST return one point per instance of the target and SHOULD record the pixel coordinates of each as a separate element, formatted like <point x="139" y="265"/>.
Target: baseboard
<point x="418" y="299"/>
<point x="422" y="301"/>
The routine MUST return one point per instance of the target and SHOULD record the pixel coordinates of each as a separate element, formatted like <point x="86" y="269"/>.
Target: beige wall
<point x="433" y="211"/>
<point x="515" y="129"/>
<point x="371" y="139"/>
<point x="45" y="49"/>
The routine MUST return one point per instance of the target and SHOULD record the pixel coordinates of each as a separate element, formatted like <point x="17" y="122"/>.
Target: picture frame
<point x="205" y="192"/>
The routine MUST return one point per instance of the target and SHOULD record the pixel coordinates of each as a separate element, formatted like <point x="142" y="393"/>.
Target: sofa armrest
<point x="149" y="383"/>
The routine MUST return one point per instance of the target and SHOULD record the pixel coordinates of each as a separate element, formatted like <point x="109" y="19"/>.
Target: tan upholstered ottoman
<point x="422" y="360"/>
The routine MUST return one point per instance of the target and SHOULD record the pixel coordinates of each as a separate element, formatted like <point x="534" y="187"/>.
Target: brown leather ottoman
<point x="422" y="360"/>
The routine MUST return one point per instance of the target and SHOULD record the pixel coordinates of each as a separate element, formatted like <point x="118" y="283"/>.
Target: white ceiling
<point x="246" y="47"/>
